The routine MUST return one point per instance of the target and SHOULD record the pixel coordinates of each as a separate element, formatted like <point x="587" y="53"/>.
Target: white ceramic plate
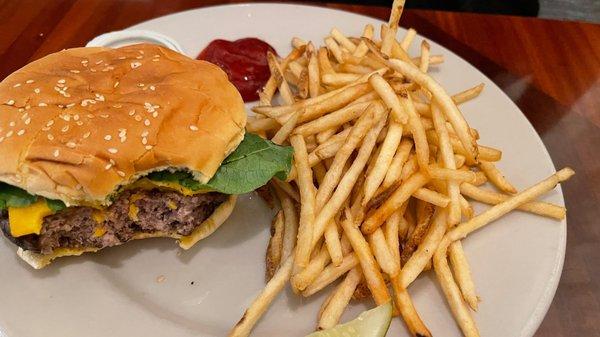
<point x="516" y="261"/>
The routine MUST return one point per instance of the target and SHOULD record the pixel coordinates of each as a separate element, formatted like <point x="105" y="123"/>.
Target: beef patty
<point x="134" y="211"/>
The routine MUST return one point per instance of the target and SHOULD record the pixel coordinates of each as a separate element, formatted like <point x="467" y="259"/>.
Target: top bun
<point x="77" y="124"/>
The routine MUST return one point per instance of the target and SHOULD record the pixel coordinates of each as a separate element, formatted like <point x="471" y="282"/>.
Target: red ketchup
<point x="244" y="61"/>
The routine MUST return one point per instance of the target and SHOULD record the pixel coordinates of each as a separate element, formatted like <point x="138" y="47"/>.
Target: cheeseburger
<point x="101" y="146"/>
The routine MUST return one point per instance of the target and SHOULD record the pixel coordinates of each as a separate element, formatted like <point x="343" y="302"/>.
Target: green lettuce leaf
<point x="11" y="196"/>
<point x="55" y="205"/>
<point x="250" y="166"/>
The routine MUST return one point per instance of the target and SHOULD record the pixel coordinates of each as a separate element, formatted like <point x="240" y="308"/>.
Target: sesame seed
<point x="50" y="123"/>
<point x="70" y="105"/>
<point x="145" y="133"/>
<point x="152" y="88"/>
<point x="29" y="81"/>
<point x="93" y="70"/>
<point x="135" y="65"/>
<point x="141" y="51"/>
<point x="62" y="81"/>
<point x="10" y="102"/>
<point x="20" y="132"/>
<point x="107" y="137"/>
<point x="84" y="61"/>
<point x="107" y="167"/>
<point x="21" y="109"/>
<point x="138" y="118"/>
<point x="104" y="116"/>
<point x="147" y="122"/>
<point x="123" y="139"/>
<point x="42" y="104"/>
<point x="154" y="60"/>
<point x="131" y="113"/>
<point x="27" y="107"/>
<point x="66" y="117"/>
<point x="193" y="128"/>
<point x="148" y="147"/>
<point x="144" y="141"/>
<point x="61" y="106"/>
<point x="56" y="153"/>
<point x="71" y="145"/>
<point x="98" y="62"/>
<point x="9" y="133"/>
<point x="11" y="124"/>
<point x="122" y="132"/>
<point x="121" y="57"/>
<point x="36" y="90"/>
<point x="113" y="150"/>
<point x="76" y="117"/>
<point x="100" y="97"/>
<point x="121" y="173"/>
<point x="139" y="57"/>
<point x="140" y="85"/>
<point x="156" y="55"/>
<point x="17" y="85"/>
<point x="25" y="115"/>
<point x="155" y="114"/>
<point x="65" y="128"/>
<point x="80" y="123"/>
<point x="74" y="71"/>
<point x="86" y="135"/>
<point x="90" y="116"/>
<point x="50" y="137"/>
<point x="28" y="120"/>
<point x="117" y="106"/>
<point x="116" y="84"/>
<point x="111" y="161"/>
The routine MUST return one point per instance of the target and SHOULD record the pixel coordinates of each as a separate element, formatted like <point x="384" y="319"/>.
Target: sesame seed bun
<point x="78" y="124"/>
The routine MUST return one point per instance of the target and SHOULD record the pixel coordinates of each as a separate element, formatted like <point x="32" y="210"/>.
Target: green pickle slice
<point x="371" y="323"/>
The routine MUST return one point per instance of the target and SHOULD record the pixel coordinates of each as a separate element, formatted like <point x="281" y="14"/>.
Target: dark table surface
<point x="556" y="63"/>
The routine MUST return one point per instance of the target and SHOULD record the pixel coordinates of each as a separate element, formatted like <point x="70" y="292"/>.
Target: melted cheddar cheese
<point x="28" y="220"/>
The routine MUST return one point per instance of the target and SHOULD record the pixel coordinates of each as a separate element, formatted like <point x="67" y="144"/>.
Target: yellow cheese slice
<point x="28" y="220"/>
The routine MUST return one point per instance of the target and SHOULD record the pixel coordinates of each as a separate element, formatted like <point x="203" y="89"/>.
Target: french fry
<point x="433" y="60"/>
<point x="302" y="279"/>
<point x="330" y="274"/>
<point x="262" y="302"/>
<point x="325" y="66"/>
<point x="313" y="71"/>
<point x="284" y="89"/>
<point x="335" y="49"/>
<point x="389" y="37"/>
<point x="468" y="94"/>
<point x="424" y="61"/>
<point x="267" y="92"/>
<point x="383" y="161"/>
<point x="445" y="102"/>
<point x="339" y="79"/>
<point x="287" y="188"/>
<point x="424" y="215"/>
<point x="307" y="202"/>
<point x="431" y="197"/>
<point x="323" y="136"/>
<point x="452" y="174"/>
<point x="298" y="42"/>
<point x="424" y="252"/>
<point x="382" y="253"/>
<point x="394" y="202"/>
<point x="395" y="168"/>
<point x="333" y="176"/>
<point x="261" y="124"/>
<point x="332" y="311"/>
<point x="493" y="198"/>
<point x="462" y="274"/>
<point x="354" y="68"/>
<point x="480" y="179"/>
<point x="333" y="119"/>
<point x="319" y="171"/>
<point x="290" y="225"/>
<point x="458" y="307"/>
<point x="349" y="179"/>
<point x="275" y="247"/>
<point x="332" y="242"/>
<point x="408" y="39"/>
<point x="342" y="40"/>
<point x="392" y="234"/>
<point x="417" y="130"/>
<point x="387" y="94"/>
<point x="407" y="309"/>
<point x="496" y="177"/>
<point x="370" y="269"/>
<point x="285" y="130"/>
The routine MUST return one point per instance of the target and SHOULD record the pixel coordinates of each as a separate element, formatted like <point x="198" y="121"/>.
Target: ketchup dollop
<point x="244" y="61"/>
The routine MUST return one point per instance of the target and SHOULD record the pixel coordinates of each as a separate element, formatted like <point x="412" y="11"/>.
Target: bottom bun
<point x="206" y="228"/>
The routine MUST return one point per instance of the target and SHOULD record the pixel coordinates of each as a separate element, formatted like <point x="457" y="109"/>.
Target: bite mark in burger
<point x="101" y="146"/>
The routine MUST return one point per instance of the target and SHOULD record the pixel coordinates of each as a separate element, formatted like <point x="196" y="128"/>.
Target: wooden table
<point x="551" y="69"/>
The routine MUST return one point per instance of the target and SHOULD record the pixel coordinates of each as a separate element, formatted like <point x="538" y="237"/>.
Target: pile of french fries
<point x="384" y="167"/>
